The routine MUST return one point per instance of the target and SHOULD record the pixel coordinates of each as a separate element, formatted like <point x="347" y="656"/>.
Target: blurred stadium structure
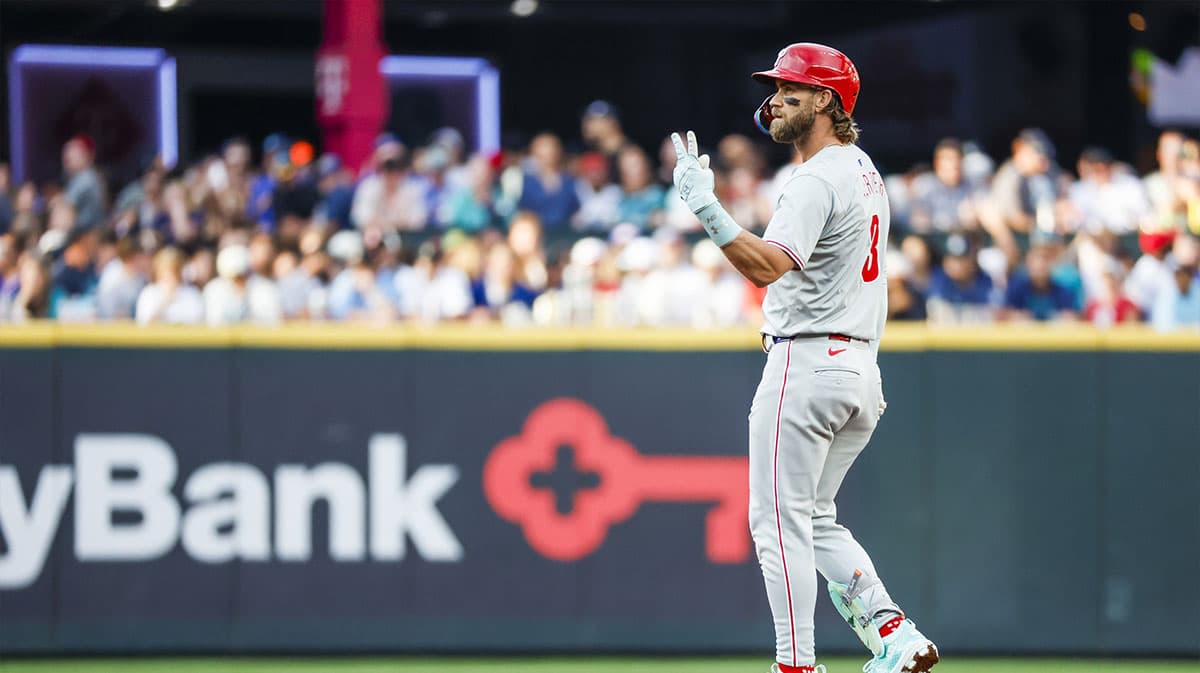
<point x="398" y="230"/>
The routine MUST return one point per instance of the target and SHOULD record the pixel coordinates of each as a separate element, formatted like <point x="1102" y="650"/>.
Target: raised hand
<point x="693" y="178"/>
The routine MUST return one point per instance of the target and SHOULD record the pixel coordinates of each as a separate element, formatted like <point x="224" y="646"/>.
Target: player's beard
<point x="798" y="128"/>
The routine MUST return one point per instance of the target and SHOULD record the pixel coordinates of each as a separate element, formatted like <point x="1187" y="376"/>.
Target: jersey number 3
<point x="871" y="266"/>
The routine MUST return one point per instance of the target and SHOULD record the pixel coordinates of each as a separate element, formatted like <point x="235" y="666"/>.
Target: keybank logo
<point x="226" y="509"/>
<point x="566" y="480"/>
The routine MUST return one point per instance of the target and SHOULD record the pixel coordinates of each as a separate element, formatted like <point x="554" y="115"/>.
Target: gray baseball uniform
<point x="821" y="394"/>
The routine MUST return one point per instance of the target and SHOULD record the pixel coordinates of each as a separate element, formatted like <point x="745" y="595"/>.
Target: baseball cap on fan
<point x="328" y="164"/>
<point x="276" y="142"/>
<point x="1038" y="140"/>
<point x="601" y="108"/>
<point x="387" y="138"/>
<point x="387" y="144"/>
<point x="957" y="246"/>
<point x="85" y="141"/>
<point x="1096" y="155"/>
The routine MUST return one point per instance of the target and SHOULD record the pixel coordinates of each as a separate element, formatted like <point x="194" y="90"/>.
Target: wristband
<point x="717" y="223"/>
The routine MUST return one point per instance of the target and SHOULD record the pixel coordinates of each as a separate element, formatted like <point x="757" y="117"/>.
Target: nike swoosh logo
<point x="835" y="352"/>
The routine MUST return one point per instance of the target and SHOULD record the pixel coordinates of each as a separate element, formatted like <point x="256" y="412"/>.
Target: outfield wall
<point x="329" y="489"/>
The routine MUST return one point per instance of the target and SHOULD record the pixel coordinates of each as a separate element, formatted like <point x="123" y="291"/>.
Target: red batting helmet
<point x="813" y="64"/>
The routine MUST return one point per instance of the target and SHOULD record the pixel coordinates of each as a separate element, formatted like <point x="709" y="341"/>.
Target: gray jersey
<point x="832" y="220"/>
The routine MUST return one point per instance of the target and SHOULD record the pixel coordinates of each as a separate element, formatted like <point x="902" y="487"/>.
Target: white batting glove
<point x="693" y="178"/>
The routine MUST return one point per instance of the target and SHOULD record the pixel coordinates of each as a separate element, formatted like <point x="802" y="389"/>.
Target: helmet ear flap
<point x="763" y="116"/>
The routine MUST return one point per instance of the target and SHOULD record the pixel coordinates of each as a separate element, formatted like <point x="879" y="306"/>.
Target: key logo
<point x="565" y="480"/>
<point x="833" y="351"/>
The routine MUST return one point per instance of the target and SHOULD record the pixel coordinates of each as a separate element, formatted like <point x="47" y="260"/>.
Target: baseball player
<point x="822" y="262"/>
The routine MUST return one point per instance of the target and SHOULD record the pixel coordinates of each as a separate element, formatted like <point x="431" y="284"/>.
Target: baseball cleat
<point x="904" y="651"/>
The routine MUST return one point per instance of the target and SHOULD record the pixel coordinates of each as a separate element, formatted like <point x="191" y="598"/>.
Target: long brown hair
<point x="844" y="126"/>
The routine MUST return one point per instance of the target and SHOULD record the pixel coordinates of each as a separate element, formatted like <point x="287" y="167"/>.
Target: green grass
<point x="559" y="665"/>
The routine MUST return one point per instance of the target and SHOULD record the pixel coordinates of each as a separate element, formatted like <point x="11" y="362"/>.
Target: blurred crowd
<point x="430" y="232"/>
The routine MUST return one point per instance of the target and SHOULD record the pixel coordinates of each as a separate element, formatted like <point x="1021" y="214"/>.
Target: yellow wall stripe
<point x="318" y="336"/>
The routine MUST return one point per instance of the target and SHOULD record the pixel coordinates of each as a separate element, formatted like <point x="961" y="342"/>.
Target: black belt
<point x="832" y="337"/>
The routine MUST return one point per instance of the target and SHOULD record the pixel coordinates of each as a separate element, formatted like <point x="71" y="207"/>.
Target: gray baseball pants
<point x="815" y="409"/>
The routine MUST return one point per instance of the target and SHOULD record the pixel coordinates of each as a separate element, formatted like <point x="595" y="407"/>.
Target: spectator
<point x="602" y="132"/>
<point x="599" y="198"/>
<point x="448" y="139"/>
<point x="335" y="194"/>
<point x="1033" y="294"/>
<point x="1106" y="197"/>
<point x="387" y="146"/>
<point x="231" y="179"/>
<point x="34" y="296"/>
<point x="1188" y="204"/>
<point x="978" y="168"/>
<point x="572" y="302"/>
<point x="429" y="169"/>
<point x="500" y="292"/>
<point x="201" y="268"/>
<point x="10" y="273"/>
<point x="739" y="151"/>
<point x="1110" y="306"/>
<point x="959" y="291"/>
<point x="121" y="280"/>
<point x="169" y="299"/>
<point x="356" y="293"/>
<point x="297" y="283"/>
<point x="1151" y="275"/>
<point x="634" y="304"/>
<point x="905" y="300"/>
<point x="1179" y="305"/>
<point x="391" y="200"/>
<point x="75" y="280"/>
<point x="61" y="218"/>
<point x="28" y="210"/>
<point x="1027" y="187"/>
<point x="665" y="175"/>
<point x="84" y="191"/>
<point x="675" y="290"/>
<point x="547" y="189"/>
<point x="433" y="290"/>
<point x="1163" y="186"/>
<point x="140" y="206"/>
<point x="1065" y="267"/>
<point x="294" y="200"/>
<point x="6" y="208"/>
<point x="641" y="201"/>
<point x="741" y="186"/>
<point x="920" y="256"/>
<point x="261" y="249"/>
<point x="723" y="287"/>
<point x="470" y="206"/>
<point x="944" y="199"/>
<point x="236" y="295"/>
<point x="901" y="192"/>
<point x="182" y="224"/>
<point x="259" y="206"/>
<point x="525" y="240"/>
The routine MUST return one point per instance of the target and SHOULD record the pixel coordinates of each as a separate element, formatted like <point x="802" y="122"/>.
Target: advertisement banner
<point x="227" y="499"/>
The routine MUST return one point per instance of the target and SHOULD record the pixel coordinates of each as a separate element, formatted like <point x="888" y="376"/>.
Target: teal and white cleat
<point x="905" y="650"/>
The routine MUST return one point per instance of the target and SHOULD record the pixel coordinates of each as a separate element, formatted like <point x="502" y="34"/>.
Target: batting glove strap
<point x="717" y="223"/>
